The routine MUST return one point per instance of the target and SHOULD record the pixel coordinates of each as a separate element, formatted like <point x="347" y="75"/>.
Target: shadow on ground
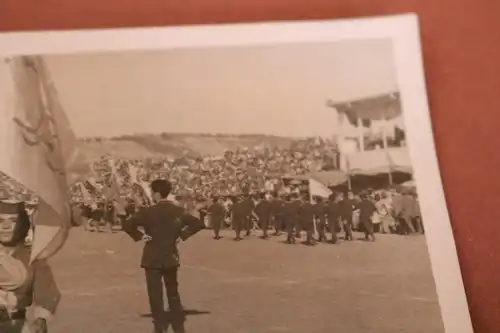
<point x="177" y="320"/>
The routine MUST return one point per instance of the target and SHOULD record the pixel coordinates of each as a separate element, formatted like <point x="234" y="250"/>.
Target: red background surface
<point x="461" y="44"/>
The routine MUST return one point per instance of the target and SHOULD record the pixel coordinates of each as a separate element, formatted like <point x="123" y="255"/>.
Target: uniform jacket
<point x="366" y="209"/>
<point x="166" y="223"/>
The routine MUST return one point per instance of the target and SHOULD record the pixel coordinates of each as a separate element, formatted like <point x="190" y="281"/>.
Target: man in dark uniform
<point x="346" y="209"/>
<point x="333" y="217"/>
<point x="296" y="201"/>
<point x="289" y="216"/>
<point x="277" y="204"/>
<point x="164" y="224"/>
<point x="249" y="207"/>
<point x="320" y="216"/>
<point x="263" y="212"/>
<point x="216" y="211"/>
<point x="366" y="209"/>
<point x="306" y="216"/>
<point x="239" y="216"/>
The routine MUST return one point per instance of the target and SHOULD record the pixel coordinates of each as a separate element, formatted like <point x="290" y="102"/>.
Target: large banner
<point x="39" y="148"/>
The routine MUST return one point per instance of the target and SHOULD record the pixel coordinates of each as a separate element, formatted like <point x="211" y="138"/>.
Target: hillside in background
<point x="175" y="145"/>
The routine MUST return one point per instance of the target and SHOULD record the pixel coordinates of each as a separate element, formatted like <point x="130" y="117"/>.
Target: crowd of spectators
<point x="236" y="171"/>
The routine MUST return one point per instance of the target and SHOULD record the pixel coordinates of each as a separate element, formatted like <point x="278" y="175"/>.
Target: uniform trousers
<point x="237" y="226"/>
<point x="155" y="279"/>
<point x="264" y="224"/>
<point x="217" y="224"/>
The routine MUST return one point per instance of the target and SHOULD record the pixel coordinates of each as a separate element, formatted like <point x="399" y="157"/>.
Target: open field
<point x="253" y="286"/>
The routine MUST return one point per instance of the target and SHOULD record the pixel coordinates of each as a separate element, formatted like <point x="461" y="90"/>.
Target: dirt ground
<point x="252" y="286"/>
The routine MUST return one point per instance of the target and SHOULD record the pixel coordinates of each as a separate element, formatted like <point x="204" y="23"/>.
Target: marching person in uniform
<point x="249" y="207"/>
<point x="295" y="205"/>
<point x="290" y="215"/>
<point x="216" y="212"/>
<point x="333" y="217"/>
<point x="28" y="293"/>
<point x="263" y="212"/>
<point x="346" y="208"/>
<point x="306" y="216"/>
<point x="239" y="216"/>
<point x="164" y="225"/>
<point x="366" y="210"/>
<point x="320" y="216"/>
<point x="277" y="204"/>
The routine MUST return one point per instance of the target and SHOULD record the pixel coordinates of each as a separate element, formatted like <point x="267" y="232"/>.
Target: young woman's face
<point x="7" y="227"/>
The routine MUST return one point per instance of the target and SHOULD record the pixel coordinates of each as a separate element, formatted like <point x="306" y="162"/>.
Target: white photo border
<point x="403" y="30"/>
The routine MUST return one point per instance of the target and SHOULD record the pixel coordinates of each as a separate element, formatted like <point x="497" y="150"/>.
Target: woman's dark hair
<point x="22" y="227"/>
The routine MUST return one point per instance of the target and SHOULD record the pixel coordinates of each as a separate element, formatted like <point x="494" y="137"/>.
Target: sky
<point x="278" y="89"/>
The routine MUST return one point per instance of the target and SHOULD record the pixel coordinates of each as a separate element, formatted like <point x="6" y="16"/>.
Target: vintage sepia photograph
<point x="231" y="179"/>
